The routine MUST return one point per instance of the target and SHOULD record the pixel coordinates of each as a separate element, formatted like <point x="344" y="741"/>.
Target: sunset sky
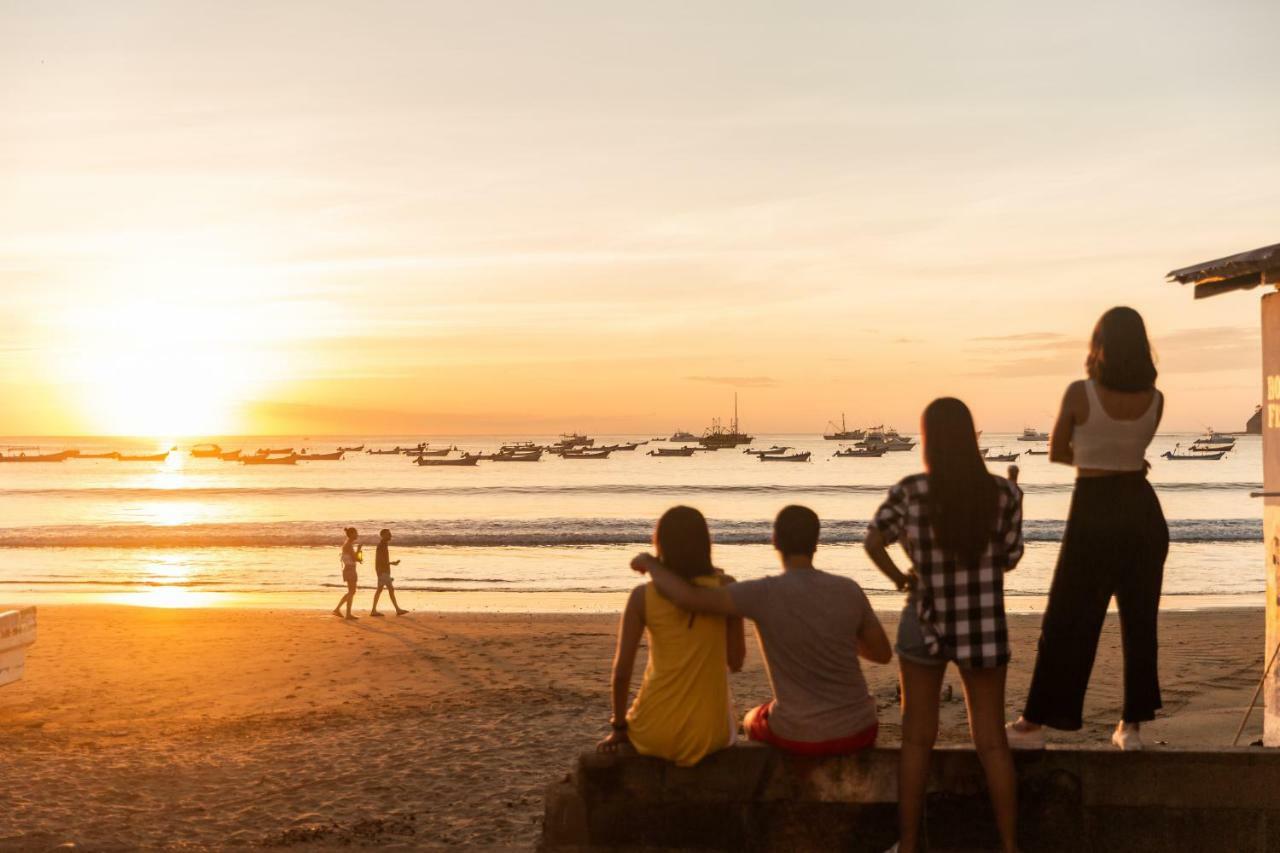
<point x="534" y="217"/>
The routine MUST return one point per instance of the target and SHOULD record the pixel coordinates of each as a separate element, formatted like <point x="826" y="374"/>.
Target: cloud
<point x="737" y="381"/>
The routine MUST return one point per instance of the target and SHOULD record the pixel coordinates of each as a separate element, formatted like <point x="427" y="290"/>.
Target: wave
<point x="168" y="493"/>
<point x="507" y="533"/>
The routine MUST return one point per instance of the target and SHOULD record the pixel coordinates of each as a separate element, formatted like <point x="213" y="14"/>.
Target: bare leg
<point x="351" y="597"/>
<point x="920" y="687"/>
<point x="376" y="595"/>
<point x="984" y="697"/>
<point x="337" y="611"/>
<point x="391" y="591"/>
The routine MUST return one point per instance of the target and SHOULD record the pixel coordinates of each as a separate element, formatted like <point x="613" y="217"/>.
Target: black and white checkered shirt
<point x="961" y="609"/>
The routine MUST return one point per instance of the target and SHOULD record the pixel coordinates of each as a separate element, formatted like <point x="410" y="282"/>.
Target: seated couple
<point x="813" y="627"/>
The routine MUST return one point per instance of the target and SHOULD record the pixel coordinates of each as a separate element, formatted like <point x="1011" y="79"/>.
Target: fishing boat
<point x="573" y="439"/>
<point x="263" y="459"/>
<point x="109" y="454"/>
<point x="844" y="433"/>
<point x="681" y="436"/>
<point x="794" y="457"/>
<point x="230" y="456"/>
<point x="206" y="451"/>
<point x="1038" y="451"/>
<point x="1205" y="447"/>
<point x="586" y="454"/>
<point x="518" y="447"/>
<point x="142" y="457"/>
<point x="443" y="451"/>
<point x="1003" y="457"/>
<point x="459" y="462"/>
<point x="718" y="436"/>
<point x="284" y="451"/>
<point x="672" y="451"/>
<point x="626" y="448"/>
<point x="1217" y="437"/>
<point x="1029" y="434"/>
<point x="1185" y="456"/>
<point x="355" y="449"/>
<point x="335" y="456"/>
<point x="888" y="439"/>
<point x="860" y="453"/>
<point x="38" y="457"/>
<point x="397" y="451"/>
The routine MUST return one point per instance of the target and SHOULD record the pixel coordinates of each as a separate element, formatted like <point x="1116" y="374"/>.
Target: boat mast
<point x="735" y="412"/>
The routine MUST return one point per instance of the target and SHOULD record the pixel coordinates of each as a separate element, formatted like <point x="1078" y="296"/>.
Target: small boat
<point x="573" y="439"/>
<point x="396" y="452"/>
<point x="672" y="451"/>
<point x="586" y="454"/>
<point x="144" y="457"/>
<point x="844" y="433"/>
<point x="681" y="435"/>
<point x="518" y="447"/>
<point x="1211" y="437"/>
<point x="206" y="451"/>
<point x="284" y="451"/>
<point x="262" y="459"/>
<point x="1030" y="434"/>
<point x="794" y="457"/>
<point x="860" y="453"/>
<point x="230" y="456"/>
<point x="1002" y="457"/>
<point x="39" y="457"/>
<point x="1187" y="457"/>
<point x="772" y="451"/>
<point x="110" y="454"/>
<point x="518" y="457"/>
<point x="461" y="461"/>
<point x="444" y="451"/>
<point x="304" y="456"/>
<point x="1202" y="446"/>
<point x="355" y="449"/>
<point x="1037" y="451"/>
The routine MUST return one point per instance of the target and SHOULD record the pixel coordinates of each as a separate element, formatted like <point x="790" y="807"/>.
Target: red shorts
<point x="756" y="725"/>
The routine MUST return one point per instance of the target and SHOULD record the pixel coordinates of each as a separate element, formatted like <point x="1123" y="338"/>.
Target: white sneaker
<point x="1127" y="738"/>
<point x="1024" y="739"/>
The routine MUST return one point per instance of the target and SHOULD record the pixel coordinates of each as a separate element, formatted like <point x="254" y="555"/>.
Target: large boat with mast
<point x="717" y="436"/>
<point x="844" y="433"/>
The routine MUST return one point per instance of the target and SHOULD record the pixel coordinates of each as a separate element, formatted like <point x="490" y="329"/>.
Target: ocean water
<point x="555" y="535"/>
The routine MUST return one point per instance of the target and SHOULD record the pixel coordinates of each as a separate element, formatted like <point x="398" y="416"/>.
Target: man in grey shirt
<point x="813" y="627"/>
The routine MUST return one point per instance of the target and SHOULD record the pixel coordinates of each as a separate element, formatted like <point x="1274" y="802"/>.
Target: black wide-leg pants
<point x="1115" y="543"/>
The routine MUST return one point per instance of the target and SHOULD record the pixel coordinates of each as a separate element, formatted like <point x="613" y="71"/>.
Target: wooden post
<point x="1271" y="509"/>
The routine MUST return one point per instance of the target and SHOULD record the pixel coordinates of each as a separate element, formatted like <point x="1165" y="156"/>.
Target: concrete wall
<point x="17" y="633"/>
<point x="755" y="798"/>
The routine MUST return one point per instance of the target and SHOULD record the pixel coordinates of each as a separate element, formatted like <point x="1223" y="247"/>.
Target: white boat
<point x="1030" y="434"/>
<point x="17" y="634"/>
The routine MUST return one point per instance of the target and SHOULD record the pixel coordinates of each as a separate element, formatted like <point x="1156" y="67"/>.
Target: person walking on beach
<point x="683" y="710"/>
<point x="351" y="554"/>
<point x="813" y="626"/>
<point x="1115" y="542"/>
<point x="382" y="564"/>
<point x="962" y="530"/>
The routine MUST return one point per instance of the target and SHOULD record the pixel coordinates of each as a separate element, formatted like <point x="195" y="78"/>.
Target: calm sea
<point x="555" y="535"/>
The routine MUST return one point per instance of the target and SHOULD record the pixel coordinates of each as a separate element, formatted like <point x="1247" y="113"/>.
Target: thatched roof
<point x="1244" y="271"/>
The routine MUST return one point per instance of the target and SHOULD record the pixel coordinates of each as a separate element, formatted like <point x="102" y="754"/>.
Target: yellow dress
<point x="683" y="710"/>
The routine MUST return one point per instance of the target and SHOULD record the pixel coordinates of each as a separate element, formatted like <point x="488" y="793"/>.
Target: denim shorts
<point x="911" y="645"/>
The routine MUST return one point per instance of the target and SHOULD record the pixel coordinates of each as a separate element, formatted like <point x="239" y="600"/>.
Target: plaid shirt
<point x="961" y="609"/>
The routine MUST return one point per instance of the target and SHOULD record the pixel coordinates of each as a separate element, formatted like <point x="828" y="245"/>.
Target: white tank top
<point x="1107" y="444"/>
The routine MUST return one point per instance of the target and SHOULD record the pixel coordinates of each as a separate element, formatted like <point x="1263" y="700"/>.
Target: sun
<point x="176" y="350"/>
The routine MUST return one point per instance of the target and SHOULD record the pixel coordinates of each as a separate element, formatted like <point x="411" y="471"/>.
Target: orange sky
<point x="417" y="217"/>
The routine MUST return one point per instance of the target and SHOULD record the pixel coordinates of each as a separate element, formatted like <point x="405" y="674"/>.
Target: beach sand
<point x="139" y="727"/>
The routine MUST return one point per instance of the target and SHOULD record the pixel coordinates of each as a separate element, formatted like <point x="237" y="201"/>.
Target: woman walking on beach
<point x="351" y="554"/>
<point x="1115" y="543"/>
<point x="961" y="527"/>
<point x="683" y="710"/>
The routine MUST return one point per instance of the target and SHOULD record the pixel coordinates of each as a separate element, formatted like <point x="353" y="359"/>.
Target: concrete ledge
<point x="17" y="633"/>
<point x="755" y="798"/>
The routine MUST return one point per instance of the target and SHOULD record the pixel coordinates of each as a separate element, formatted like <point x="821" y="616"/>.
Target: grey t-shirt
<point x="808" y="622"/>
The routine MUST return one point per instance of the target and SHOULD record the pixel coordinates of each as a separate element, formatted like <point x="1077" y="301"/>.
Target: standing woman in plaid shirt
<point x="961" y="527"/>
<point x="1115" y="543"/>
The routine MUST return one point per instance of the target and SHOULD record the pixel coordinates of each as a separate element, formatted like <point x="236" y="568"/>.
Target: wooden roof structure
<point x="1243" y="271"/>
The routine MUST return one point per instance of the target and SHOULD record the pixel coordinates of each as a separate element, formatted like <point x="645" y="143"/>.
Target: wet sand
<point x="141" y="727"/>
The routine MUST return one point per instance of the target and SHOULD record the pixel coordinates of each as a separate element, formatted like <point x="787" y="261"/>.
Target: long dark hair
<point x="962" y="493"/>
<point x="1120" y="354"/>
<point x="683" y="542"/>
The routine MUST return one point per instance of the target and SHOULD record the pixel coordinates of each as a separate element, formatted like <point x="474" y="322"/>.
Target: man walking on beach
<point x="813" y="626"/>
<point x="382" y="563"/>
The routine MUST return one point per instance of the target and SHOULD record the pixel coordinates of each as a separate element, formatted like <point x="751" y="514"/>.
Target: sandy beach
<point x="140" y="727"/>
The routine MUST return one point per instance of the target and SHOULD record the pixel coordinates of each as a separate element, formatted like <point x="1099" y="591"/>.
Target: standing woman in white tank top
<point x="1115" y="541"/>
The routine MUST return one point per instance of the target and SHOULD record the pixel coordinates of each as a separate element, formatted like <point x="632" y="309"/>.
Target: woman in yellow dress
<point x="683" y="710"/>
